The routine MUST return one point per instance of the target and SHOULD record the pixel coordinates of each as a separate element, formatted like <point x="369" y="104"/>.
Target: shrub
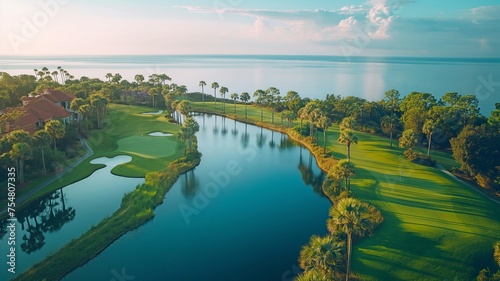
<point x="304" y="130"/>
<point x="371" y="127"/>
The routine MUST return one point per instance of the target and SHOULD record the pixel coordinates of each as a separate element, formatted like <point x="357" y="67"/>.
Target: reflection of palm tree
<point x="234" y="131"/>
<point x="261" y="139"/>
<point x="189" y="185"/>
<point x="245" y="138"/>
<point x="224" y="129"/>
<point x="272" y="144"/>
<point x="34" y="241"/>
<point x="215" y="129"/>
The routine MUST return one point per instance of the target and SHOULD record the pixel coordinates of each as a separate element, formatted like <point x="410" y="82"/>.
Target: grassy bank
<point x="125" y="132"/>
<point x="136" y="207"/>
<point x="434" y="227"/>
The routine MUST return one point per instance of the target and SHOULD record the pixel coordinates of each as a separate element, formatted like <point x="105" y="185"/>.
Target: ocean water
<point x="311" y="76"/>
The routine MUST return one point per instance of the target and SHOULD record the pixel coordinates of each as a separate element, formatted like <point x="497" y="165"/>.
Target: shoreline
<point x="128" y="217"/>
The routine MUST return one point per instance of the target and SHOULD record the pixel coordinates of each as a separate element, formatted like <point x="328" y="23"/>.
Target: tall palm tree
<point x="109" y="76"/>
<point x="56" y="129"/>
<point x="19" y="153"/>
<point x="223" y="91"/>
<point x="389" y="124"/>
<point x="343" y="170"/>
<point x="139" y="78"/>
<point x="261" y="100"/>
<point x="348" y="137"/>
<point x="54" y="74"/>
<point x="324" y="122"/>
<point x="234" y="97"/>
<point x="245" y="97"/>
<point x="311" y="111"/>
<point x="215" y="86"/>
<point x="428" y="130"/>
<point x="324" y="254"/>
<point x="348" y="123"/>
<point x="184" y="107"/>
<point x="408" y="139"/>
<point x="354" y="218"/>
<point x="42" y="139"/>
<point x="272" y="94"/>
<point x="202" y="85"/>
<point x="36" y="72"/>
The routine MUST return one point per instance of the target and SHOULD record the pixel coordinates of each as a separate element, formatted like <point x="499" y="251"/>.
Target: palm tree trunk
<point x="349" y="248"/>
<point x="43" y="162"/>
<point x="391" y="139"/>
<point x="246" y="116"/>
<point x="324" y="140"/>
<point x="429" y="147"/>
<point x="261" y="114"/>
<point x="348" y="152"/>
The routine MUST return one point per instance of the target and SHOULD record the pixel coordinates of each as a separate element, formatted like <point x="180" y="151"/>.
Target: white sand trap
<point x="153" y="113"/>
<point x="160" y="134"/>
<point x="112" y="162"/>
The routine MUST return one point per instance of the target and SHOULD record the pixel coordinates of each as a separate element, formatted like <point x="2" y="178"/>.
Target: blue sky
<point x="325" y="27"/>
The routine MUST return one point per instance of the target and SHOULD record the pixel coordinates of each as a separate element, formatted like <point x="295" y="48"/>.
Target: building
<point x="38" y="110"/>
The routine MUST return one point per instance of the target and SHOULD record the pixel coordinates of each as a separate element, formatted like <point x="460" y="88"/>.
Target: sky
<point x="445" y="28"/>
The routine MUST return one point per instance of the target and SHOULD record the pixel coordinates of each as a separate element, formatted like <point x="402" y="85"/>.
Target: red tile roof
<point x="58" y="95"/>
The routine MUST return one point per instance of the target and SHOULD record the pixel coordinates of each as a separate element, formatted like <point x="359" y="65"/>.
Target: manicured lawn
<point x="435" y="228"/>
<point x="126" y="125"/>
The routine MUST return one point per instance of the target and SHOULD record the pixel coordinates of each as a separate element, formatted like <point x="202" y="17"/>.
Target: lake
<point x="311" y="76"/>
<point x="242" y="214"/>
<point x="54" y="220"/>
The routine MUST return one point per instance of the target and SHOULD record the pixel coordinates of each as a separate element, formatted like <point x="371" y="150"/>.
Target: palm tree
<point x="36" y="72"/>
<point x="19" y="153"/>
<point x="343" y="170"/>
<point x="109" y="76"/>
<point x="191" y="128"/>
<point x="313" y="275"/>
<point x="389" y="124"/>
<point x="354" y="218"/>
<point x="98" y="103"/>
<point x="324" y="122"/>
<point x="215" y="86"/>
<point x="348" y="123"/>
<point x="42" y="139"/>
<point x="272" y="94"/>
<point x="234" y="97"/>
<point x="54" y="74"/>
<point x="61" y="74"/>
<point x="202" y="85"/>
<point x="184" y="107"/>
<point x="56" y="130"/>
<point x="85" y="111"/>
<point x="348" y="137"/>
<point x="311" y="112"/>
<point x="139" y="78"/>
<point x="223" y="91"/>
<point x="428" y="130"/>
<point x="261" y="100"/>
<point x="245" y="97"/>
<point x="324" y="254"/>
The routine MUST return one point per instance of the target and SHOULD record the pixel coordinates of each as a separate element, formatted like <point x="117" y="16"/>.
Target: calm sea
<point x="311" y="76"/>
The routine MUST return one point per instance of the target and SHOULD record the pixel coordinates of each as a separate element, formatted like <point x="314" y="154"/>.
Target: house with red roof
<point x="38" y="110"/>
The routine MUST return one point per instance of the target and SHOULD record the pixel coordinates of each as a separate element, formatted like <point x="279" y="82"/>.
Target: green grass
<point x="435" y="228"/>
<point x="125" y="122"/>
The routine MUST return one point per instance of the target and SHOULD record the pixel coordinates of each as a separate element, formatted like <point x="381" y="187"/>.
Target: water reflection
<point x="245" y="137"/>
<point x="49" y="214"/>
<point x="190" y="184"/>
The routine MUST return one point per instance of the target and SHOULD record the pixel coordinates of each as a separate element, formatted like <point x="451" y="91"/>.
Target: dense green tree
<point x="293" y="101"/>
<point x="353" y="218"/>
<point x="139" y="78"/>
<point x="408" y="140"/>
<point x="343" y="170"/>
<point x="184" y="107"/>
<point x="324" y="254"/>
<point x="288" y="115"/>
<point x="415" y="107"/>
<point x="392" y="101"/>
<point x="56" y="129"/>
<point x="477" y="149"/>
